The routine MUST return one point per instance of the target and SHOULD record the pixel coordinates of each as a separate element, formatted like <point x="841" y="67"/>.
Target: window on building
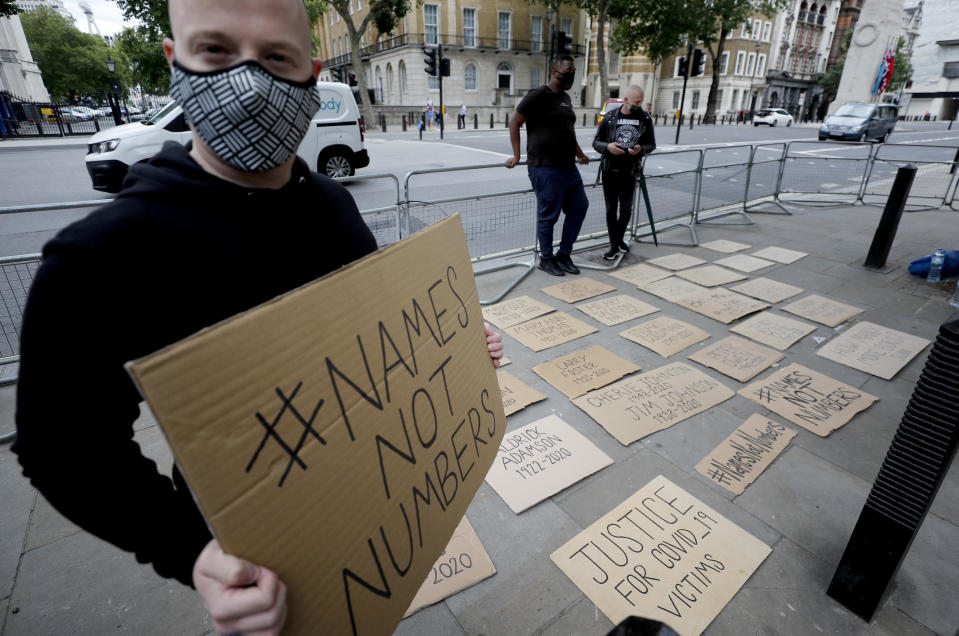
<point x="732" y="102"/>
<point x="469" y="27"/>
<point x="469" y="77"/>
<point x="761" y="65"/>
<point x="567" y="27"/>
<point x="767" y="31"/>
<point x="379" y="85"/>
<point x="757" y="28"/>
<point x="740" y="60"/>
<point x="536" y="34"/>
<point x="504" y="30"/>
<point x="504" y="76"/>
<point x="719" y="99"/>
<point x="724" y="64"/>
<point x="431" y="23"/>
<point x="676" y="68"/>
<point x="675" y="99"/>
<point x="744" y="31"/>
<point x="402" y="76"/>
<point x="695" y="103"/>
<point x="534" y="80"/>
<point x="433" y="83"/>
<point x="750" y="64"/>
<point x="359" y="4"/>
<point x="389" y="80"/>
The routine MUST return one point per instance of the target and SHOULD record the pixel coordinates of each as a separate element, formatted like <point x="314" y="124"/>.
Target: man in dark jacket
<point x="624" y="137"/>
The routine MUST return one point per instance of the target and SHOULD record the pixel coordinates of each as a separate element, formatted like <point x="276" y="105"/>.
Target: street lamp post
<point x="114" y="91"/>
<point x="752" y="78"/>
<point x="549" y="55"/>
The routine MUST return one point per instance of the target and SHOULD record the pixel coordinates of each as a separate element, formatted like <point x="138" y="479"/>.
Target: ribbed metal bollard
<point x="889" y="223"/>
<point x="903" y="492"/>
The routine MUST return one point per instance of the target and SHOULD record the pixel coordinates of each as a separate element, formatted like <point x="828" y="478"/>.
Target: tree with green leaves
<point x="830" y="79"/>
<point x="148" y="66"/>
<point x="73" y="63"/>
<point x="8" y="8"/>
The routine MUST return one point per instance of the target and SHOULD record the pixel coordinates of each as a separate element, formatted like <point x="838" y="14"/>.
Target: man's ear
<point x="317" y="67"/>
<point x="168" y="51"/>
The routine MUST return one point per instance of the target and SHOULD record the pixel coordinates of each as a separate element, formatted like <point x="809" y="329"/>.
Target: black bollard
<point x="907" y="483"/>
<point x="475" y="121"/>
<point x="955" y="162"/>
<point x="692" y="118"/>
<point x="383" y="122"/>
<point x="491" y="121"/>
<point x="404" y="123"/>
<point x="506" y="120"/>
<point x="889" y="223"/>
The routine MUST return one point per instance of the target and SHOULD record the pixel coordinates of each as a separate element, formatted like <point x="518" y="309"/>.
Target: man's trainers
<point x="550" y="266"/>
<point x="624" y="247"/>
<point x="611" y="254"/>
<point x="566" y="264"/>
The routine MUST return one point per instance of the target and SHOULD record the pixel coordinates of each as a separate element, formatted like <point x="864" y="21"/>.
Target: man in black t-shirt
<point x="623" y="137"/>
<point x="551" y="147"/>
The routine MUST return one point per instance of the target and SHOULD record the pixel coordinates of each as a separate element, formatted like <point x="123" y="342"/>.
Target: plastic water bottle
<point x="935" y="266"/>
<point x="954" y="301"/>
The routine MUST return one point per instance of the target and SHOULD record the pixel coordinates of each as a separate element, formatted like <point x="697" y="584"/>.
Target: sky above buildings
<point x="106" y="14"/>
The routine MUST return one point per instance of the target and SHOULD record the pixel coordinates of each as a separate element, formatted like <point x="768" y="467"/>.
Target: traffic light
<point x="430" y="62"/>
<point x="683" y="66"/>
<point x="445" y="66"/>
<point x="338" y="74"/>
<point x="353" y="79"/>
<point x="564" y="43"/>
<point x="699" y="63"/>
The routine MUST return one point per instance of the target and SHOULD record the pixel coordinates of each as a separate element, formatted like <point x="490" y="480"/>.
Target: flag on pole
<point x="884" y="75"/>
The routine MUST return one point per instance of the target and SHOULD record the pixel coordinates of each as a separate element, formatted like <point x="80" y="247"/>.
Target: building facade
<point x="497" y="51"/>
<point x="622" y="71"/>
<point x="56" y="5"/>
<point x="19" y="74"/>
<point x="935" y="62"/>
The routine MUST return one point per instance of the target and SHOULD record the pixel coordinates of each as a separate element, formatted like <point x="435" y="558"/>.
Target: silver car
<point x="772" y="117"/>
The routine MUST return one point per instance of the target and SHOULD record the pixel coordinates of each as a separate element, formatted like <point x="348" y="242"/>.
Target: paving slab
<point x="18" y="500"/>
<point x="435" y="619"/>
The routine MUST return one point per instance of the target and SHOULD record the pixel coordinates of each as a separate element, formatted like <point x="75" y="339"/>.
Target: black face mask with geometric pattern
<point x="252" y="119"/>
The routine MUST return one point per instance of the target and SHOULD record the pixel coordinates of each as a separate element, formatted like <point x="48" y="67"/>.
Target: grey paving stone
<point x="18" y="500"/>
<point x="811" y="501"/>
<point x="85" y="584"/>
<point x="582" y="617"/>
<point x="435" y="620"/>
<point x="47" y="525"/>
<point x="809" y="280"/>
<point x="946" y="503"/>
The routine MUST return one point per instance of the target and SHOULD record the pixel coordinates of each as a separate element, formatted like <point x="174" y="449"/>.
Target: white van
<point x="333" y="144"/>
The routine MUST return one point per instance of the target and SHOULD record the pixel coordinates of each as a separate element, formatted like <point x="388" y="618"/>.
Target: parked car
<point x="860" y="121"/>
<point x="611" y="103"/>
<point x="104" y="111"/>
<point x="334" y="143"/>
<point x="772" y="117"/>
<point x="77" y="113"/>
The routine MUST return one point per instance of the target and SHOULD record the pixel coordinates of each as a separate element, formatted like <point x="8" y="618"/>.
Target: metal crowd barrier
<point x="766" y="165"/>
<point x="384" y="220"/>
<point x="673" y="179"/>
<point x="16" y="276"/>
<point x="725" y="184"/>
<point x="934" y="177"/>
<point x="832" y="172"/>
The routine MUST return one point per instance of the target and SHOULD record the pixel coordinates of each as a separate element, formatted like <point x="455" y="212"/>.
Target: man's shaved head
<point x="295" y="8"/>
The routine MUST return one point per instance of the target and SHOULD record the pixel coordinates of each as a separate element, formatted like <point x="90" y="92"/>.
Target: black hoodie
<point x="176" y="251"/>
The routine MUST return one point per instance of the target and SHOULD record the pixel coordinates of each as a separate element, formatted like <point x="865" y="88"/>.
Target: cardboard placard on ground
<point x="780" y="254"/>
<point x="744" y="262"/>
<point x="284" y="451"/>
<point x="772" y="291"/>
<point x="550" y="331"/>
<point x="872" y="348"/>
<point x="823" y="310"/>
<point x="664" y="335"/>
<point x="748" y="451"/>
<point x="808" y="398"/>
<point x="539" y="460"/>
<point x="517" y="395"/>
<point x="642" y="404"/>
<point x="640" y="274"/>
<point x="577" y="289"/>
<point x="721" y="304"/>
<point x="725" y="246"/>
<point x="737" y="357"/>
<point x="672" y="288"/>
<point x="676" y="261"/>
<point x="504" y="361"/>
<point x="581" y="372"/>
<point x="774" y="330"/>
<point x="616" y="309"/>
<point x="664" y="555"/>
<point x="711" y="275"/>
<point x="514" y="311"/>
<point x="463" y="563"/>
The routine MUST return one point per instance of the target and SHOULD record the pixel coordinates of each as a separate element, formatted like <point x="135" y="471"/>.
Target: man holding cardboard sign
<point x="247" y="221"/>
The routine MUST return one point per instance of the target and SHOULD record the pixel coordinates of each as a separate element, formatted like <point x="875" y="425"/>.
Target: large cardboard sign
<point x="744" y="262"/>
<point x="550" y="331"/>
<point x="640" y="274"/>
<point x="771" y="291"/>
<point x="577" y="289"/>
<point x="340" y="443"/>
<point x="517" y="395"/>
<point x="676" y="261"/>
<point x="664" y="335"/>
<point x="808" y="398"/>
<point x="823" y="310"/>
<point x="780" y="254"/>
<point x="774" y="330"/>
<point x="583" y="371"/>
<point x="642" y="404"/>
<point x="746" y="453"/>
<point x="737" y="357"/>
<point x="463" y="563"/>
<point x="875" y="349"/>
<point x="662" y="554"/>
<point x="617" y="309"/>
<point x="711" y="275"/>
<point x="539" y="460"/>
<point x="672" y="288"/>
<point x="721" y="304"/>
<point x="725" y="246"/>
<point x="514" y="311"/>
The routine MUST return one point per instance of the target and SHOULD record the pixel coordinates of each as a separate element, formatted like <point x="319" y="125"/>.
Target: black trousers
<point x="618" y="190"/>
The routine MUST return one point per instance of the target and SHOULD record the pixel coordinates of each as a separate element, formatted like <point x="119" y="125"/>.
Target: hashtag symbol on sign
<point x="270" y="428"/>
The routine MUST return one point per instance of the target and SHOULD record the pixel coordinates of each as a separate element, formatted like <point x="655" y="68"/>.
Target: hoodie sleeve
<point x="75" y="412"/>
